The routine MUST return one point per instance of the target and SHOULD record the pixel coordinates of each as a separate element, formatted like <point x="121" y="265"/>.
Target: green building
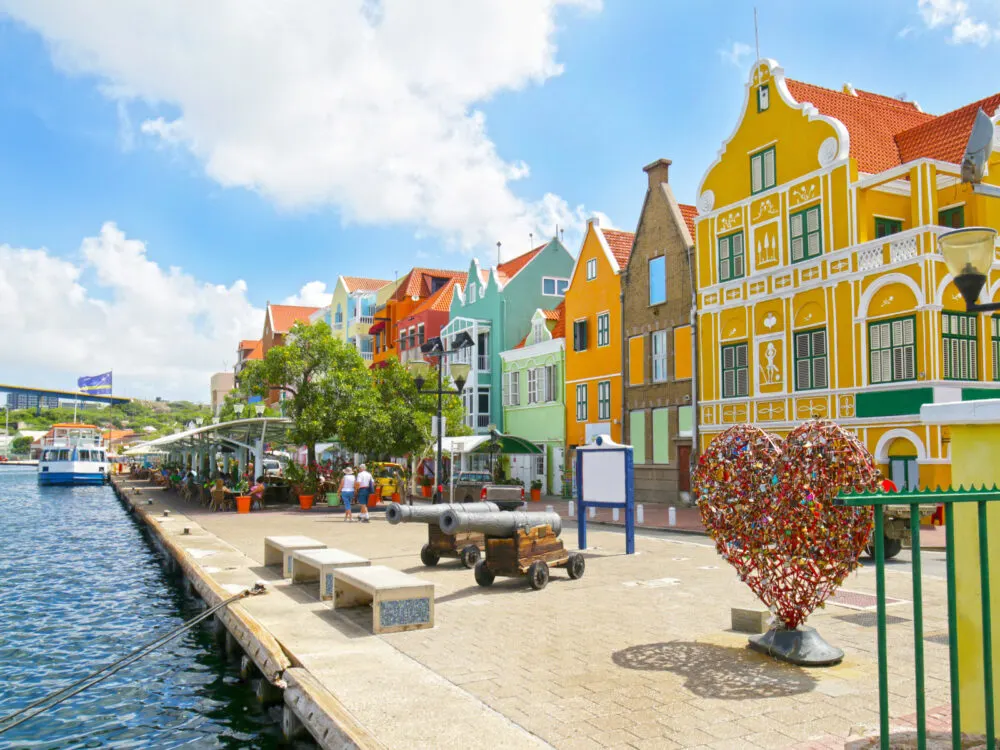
<point x="533" y="395"/>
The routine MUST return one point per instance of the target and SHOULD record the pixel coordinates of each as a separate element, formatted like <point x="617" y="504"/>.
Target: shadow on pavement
<point x="721" y="672"/>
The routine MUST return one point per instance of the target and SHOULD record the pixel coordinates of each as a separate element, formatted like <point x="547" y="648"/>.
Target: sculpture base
<point x="802" y="646"/>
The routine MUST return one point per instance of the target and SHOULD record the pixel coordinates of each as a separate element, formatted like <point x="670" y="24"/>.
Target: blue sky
<point x="639" y="80"/>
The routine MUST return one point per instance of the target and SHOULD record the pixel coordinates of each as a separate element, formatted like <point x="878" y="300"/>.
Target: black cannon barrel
<point x="504" y="523"/>
<point x="397" y="513"/>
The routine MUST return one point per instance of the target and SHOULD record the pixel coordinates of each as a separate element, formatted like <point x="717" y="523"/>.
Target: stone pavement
<point x="637" y="654"/>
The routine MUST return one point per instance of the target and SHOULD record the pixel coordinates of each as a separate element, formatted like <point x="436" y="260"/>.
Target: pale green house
<point x="533" y="387"/>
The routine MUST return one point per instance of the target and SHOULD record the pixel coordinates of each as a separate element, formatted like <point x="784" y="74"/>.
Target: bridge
<point x="68" y="395"/>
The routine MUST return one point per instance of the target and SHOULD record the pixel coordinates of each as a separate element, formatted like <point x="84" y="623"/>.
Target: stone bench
<point x="399" y="601"/>
<point x="310" y="565"/>
<point x="279" y="549"/>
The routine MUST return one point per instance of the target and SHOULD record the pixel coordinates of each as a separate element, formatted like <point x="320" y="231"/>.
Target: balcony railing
<point x="482" y="420"/>
<point x="483" y="364"/>
<point x="369" y="319"/>
<point x="896" y="248"/>
<point x="366" y="356"/>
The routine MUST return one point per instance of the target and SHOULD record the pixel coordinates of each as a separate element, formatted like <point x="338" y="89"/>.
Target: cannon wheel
<point x="469" y="556"/>
<point x="575" y="566"/>
<point x="538" y="575"/>
<point x="484" y="576"/>
<point x="428" y="556"/>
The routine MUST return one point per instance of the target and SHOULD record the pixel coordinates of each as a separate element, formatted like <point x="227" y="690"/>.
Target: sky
<point x="166" y="169"/>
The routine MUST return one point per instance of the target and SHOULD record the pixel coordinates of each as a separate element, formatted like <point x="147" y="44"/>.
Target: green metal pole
<point x="984" y="595"/>
<point x="883" y="654"/>
<point x="956" y="708"/>
<point x="918" y="627"/>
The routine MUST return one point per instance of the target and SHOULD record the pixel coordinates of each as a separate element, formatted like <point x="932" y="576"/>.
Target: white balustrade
<point x="903" y="249"/>
<point x="870" y="258"/>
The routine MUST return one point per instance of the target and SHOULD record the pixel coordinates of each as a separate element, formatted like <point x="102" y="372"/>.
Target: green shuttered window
<point x="732" y="255"/>
<point x="763" y="174"/>
<point x="959" y="336"/>
<point x="811" y="360"/>
<point x="892" y="350"/>
<point x="735" y="371"/>
<point x="661" y="436"/>
<point x="806" y="231"/>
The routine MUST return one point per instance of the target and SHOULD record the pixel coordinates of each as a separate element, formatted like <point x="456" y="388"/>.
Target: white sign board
<point x="603" y="472"/>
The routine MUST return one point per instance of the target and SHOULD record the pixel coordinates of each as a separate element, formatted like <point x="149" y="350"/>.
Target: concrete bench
<point x="310" y="565"/>
<point x="399" y="601"/>
<point x="279" y="549"/>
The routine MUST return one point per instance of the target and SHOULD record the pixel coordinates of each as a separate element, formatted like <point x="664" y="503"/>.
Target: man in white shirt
<point x="364" y="485"/>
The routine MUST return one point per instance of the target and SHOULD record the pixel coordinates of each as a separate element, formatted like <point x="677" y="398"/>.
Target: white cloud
<point x="313" y="294"/>
<point x="365" y="105"/>
<point x="162" y="331"/>
<point x="966" y="27"/>
<point x="737" y="54"/>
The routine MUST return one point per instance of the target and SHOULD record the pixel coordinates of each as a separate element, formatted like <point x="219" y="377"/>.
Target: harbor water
<point x="80" y="587"/>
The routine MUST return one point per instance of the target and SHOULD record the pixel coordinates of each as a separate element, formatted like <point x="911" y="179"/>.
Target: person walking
<point x="365" y="484"/>
<point x="346" y="491"/>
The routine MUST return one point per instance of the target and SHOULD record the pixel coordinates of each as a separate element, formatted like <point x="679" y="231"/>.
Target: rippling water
<point x="81" y="587"/>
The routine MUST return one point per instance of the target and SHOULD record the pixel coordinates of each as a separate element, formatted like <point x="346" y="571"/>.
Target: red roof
<point x="620" y="244"/>
<point x="690" y="213"/>
<point x="361" y="284"/>
<point x="507" y="271"/>
<point x="417" y="282"/>
<point x="248" y="344"/>
<point x="558" y="330"/>
<point x="257" y="352"/>
<point x="872" y="121"/>
<point x="945" y="137"/>
<point x="283" y="317"/>
<point x="440" y="301"/>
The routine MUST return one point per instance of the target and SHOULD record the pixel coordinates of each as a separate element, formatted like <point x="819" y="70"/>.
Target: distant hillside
<point x="163" y="416"/>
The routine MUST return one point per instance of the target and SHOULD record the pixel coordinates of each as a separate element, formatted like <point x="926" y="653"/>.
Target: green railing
<point x="914" y="500"/>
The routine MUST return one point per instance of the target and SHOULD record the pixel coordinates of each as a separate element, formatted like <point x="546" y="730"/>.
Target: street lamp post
<point x="238" y="408"/>
<point x="969" y="255"/>
<point x="459" y="372"/>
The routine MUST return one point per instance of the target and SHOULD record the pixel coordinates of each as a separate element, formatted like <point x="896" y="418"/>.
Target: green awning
<point x="509" y="444"/>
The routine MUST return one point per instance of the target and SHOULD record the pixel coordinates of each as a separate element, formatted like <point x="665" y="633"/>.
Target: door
<point x="904" y="472"/>
<point x="556" y="471"/>
<point x="684" y="468"/>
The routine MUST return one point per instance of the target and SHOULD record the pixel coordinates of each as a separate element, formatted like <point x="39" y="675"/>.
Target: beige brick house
<point x="659" y="378"/>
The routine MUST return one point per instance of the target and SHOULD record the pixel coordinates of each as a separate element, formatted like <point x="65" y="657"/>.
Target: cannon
<point x="464" y="546"/>
<point x="516" y="544"/>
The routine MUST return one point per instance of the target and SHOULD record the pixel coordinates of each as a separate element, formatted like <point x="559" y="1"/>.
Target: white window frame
<point x="581" y="402"/>
<point x="604" y="337"/>
<point x="550" y="383"/>
<point x="658" y="356"/>
<point x="472" y="292"/>
<point x="537" y="331"/>
<point x="533" y="385"/>
<point x="556" y="282"/>
<point x="604" y="399"/>
<point x="512" y="388"/>
<point x="591" y="269"/>
<point x="759" y="170"/>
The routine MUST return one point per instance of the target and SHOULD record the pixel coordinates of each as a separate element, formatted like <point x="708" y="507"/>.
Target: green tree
<point x="395" y="419"/>
<point x="321" y="377"/>
<point x="20" y="444"/>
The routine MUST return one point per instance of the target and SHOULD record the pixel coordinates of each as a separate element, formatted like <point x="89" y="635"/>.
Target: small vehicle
<point x="897" y="527"/>
<point x="469" y="486"/>
<point x="389" y="478"/>
<point x="272" y="467"/>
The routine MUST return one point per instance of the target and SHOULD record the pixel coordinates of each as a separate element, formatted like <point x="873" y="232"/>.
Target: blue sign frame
<point x="629" y="504"/>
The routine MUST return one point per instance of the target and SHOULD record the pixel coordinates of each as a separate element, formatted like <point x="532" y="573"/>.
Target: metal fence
<point x="948" y="498"/>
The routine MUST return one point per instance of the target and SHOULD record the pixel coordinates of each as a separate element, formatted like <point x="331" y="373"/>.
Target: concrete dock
<point x="636" y="654"/>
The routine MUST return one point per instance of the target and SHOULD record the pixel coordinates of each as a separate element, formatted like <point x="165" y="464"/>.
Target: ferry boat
<point x="73" y="454"/>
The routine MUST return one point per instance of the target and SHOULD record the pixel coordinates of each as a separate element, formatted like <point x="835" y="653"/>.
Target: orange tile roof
<point x="690" y="213"/>
<point x="361" y="284"/>
<point x="620" y="244"/>
<point x="257" y="352"/>
<point x="440" y="301"/>
<point x="558" y="330"/>
<point x="283" y="317"/>
<point x="246" y="344"/>
<point x="507" y="271"/>
<point x="413" y="283"/>
<point x="946" y="136"/>
<point x="873" y="121"/>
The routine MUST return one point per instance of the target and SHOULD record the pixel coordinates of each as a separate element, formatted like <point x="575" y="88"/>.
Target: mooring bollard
<point x="570" y="509"/>
<point x="187" y="531"/>
<point x="549" y="509"/>
<point x="593" y="511"/>
<point x="671" y="516"/>
<point x="166" y="514"/>
<point x="639" y="516"/>
<point x="614" y="514"/>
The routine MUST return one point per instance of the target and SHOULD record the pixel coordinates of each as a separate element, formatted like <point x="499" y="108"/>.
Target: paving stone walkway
<point x="637" y="654"/>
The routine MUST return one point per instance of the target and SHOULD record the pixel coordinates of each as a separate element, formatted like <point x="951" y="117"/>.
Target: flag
<point x="95" y="385"/>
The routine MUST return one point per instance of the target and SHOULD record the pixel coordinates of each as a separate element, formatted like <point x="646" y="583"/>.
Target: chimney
<point x="657" y="172"/>
<point x="595" y="220"/>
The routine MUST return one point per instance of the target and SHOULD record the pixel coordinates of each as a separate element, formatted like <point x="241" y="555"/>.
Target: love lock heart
<point x="768" y="505"/>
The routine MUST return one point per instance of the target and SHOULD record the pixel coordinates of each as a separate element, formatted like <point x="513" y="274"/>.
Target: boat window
<point x="64" y="455"/>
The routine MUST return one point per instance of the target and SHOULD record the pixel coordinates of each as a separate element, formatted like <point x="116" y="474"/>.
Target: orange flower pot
<point x="426" y="491"/>
<point x="305" y="501"/>
<point x="242" y="503"/>
<point x="395" y="497"/>
<point x="536" y="496"/>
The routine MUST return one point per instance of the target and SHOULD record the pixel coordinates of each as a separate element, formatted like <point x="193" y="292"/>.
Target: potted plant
<point x="426" y="483"/>
<point x="536" y="490"/>
<point x="307" y="491"/>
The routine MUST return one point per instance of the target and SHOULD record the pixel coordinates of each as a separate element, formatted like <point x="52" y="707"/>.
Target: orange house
<point x="414" y="288"/>
<point x="593" y="336"/>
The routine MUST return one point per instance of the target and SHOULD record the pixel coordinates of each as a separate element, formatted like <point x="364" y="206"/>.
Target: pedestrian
<point x="257" y="493"/>
<point x="346" y="491"/>
<point x="365" y="484"/>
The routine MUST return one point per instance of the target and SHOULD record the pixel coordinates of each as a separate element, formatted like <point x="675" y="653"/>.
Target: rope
<point x="63" y="694"/>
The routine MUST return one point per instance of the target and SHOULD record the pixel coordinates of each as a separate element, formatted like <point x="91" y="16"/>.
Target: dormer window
<point x="763" y="98"/>
<point x="538" y="332"/>
<point x="472" y="292"/>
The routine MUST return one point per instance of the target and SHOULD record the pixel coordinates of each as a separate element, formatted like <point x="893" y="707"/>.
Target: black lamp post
<point x="969" y="255"/>
<point x="420" y="369"/>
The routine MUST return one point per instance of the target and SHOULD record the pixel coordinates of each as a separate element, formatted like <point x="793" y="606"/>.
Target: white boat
<point x="73" y="454"/>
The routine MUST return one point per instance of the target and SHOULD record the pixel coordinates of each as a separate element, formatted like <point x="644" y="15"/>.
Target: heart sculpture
<point x="768" y="505"/>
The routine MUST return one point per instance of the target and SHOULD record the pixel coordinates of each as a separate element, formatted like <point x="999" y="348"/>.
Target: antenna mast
<point x="756" y="34"/>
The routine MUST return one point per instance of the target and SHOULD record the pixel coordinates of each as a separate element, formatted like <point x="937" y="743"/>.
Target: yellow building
<point x="594" y="336"/>
<point x="821" y="291"/>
